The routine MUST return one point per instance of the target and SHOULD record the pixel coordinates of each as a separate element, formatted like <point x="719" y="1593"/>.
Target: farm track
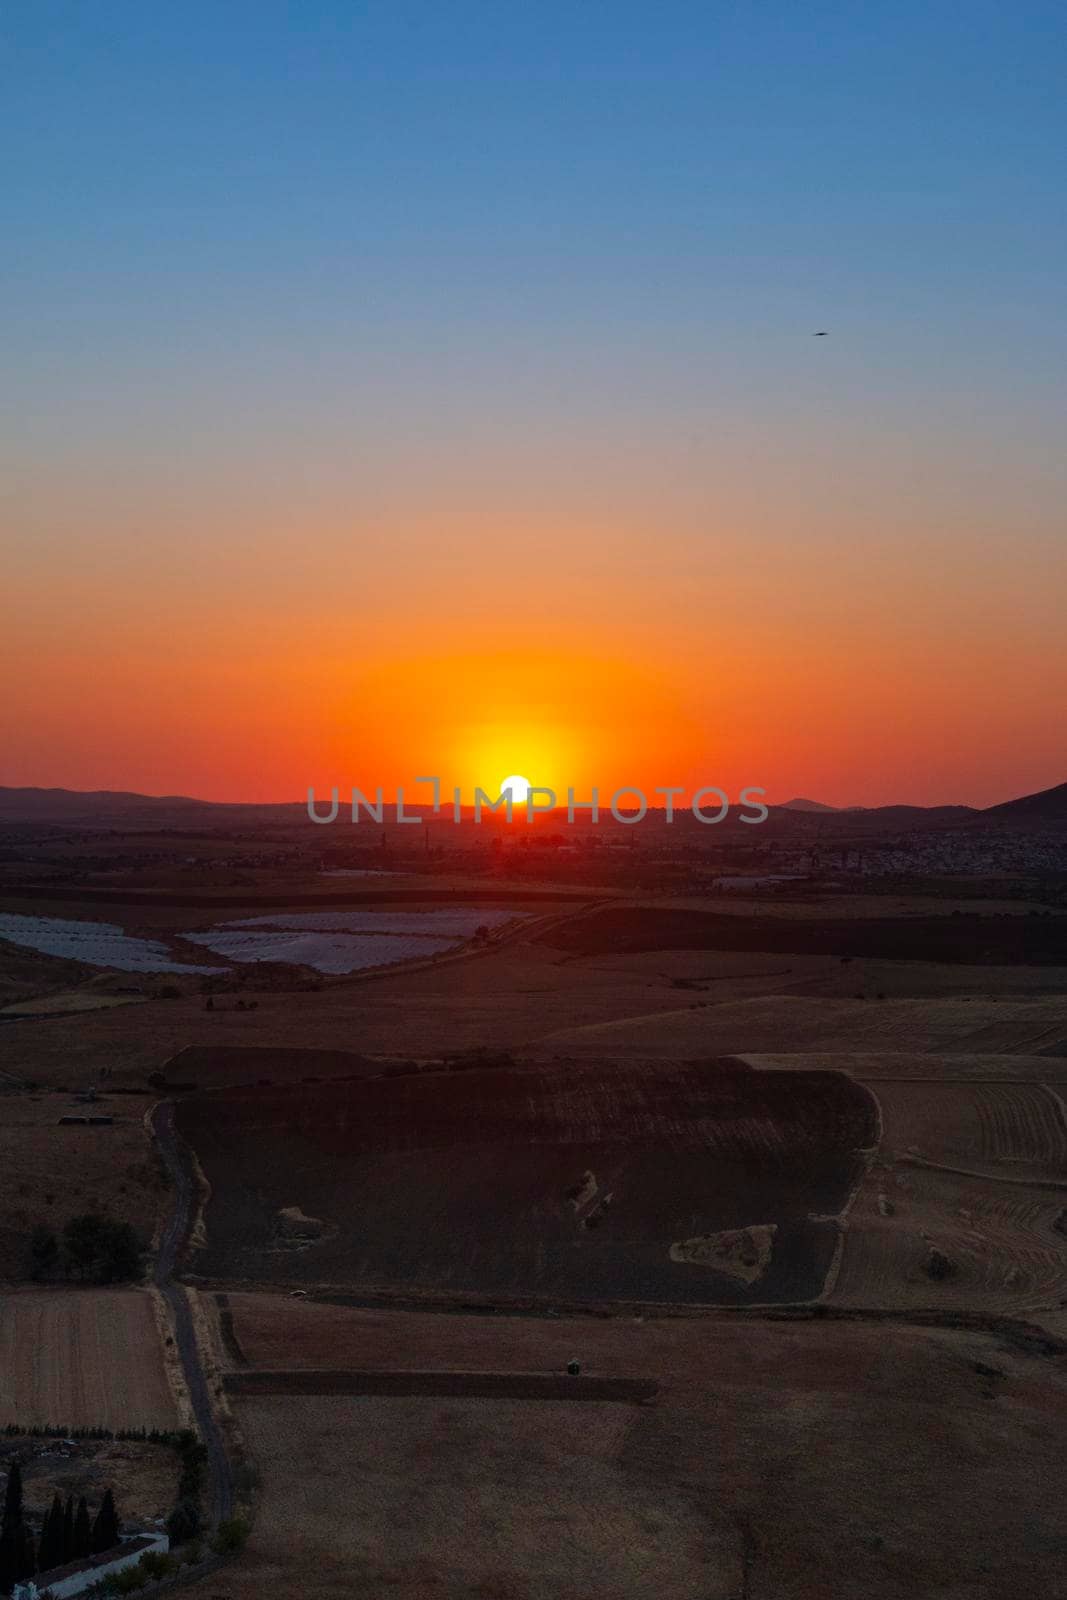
<point x="172" y="1238"/>
<point x="460" y="1385"/>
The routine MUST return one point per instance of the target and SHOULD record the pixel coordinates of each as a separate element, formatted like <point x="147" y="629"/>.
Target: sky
<point x="395" y="388"/>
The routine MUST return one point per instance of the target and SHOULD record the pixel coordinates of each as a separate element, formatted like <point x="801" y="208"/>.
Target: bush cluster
<point x="92" y="1249"/>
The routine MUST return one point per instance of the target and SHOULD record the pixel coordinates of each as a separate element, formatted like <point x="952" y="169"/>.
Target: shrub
<point x="157" y="1564"/>
<point x="128" y="1581"/>
<point x="939" y="1265"/>
<point x="231" y="1537"/>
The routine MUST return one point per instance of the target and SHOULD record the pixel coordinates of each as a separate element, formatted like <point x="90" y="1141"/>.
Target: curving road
<point x="171" y="1240"/>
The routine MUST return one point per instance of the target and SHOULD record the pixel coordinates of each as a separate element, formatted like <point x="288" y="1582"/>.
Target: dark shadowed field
<point x="970" y="937"/>
<point x="702" y="1183"/>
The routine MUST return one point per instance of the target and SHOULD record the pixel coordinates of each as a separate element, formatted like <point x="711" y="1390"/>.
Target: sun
<point x="517" y="788"/>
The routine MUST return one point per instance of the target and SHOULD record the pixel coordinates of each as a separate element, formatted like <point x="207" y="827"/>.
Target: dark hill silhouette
<point x="1047" y="805"/>
<point x="803" y="804"/>
<point x="71" y="807"/>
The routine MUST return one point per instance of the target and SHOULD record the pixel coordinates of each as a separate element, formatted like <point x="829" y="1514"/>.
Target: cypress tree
<point x="25" y="1557"/>
<point x="13" y="1497"/>
<point x="8" y="1560"/>
<point x="106" y="1527"/>
<point x="50" y="1549"/>
<point x="68" y="1530"/>
<point x="83" y="1532"/>
<point x="12" y="1533"/>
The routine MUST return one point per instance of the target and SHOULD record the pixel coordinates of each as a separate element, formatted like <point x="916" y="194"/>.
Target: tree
<point x="100" y="1250"/>
<point x="194" y="1461"/>
<point x="13" y="1496"/>
<point x="184" y="1522"/>
<point x="50" y="1551"/>
<point x="26" y="1556"/>
<point x="122" y="1254"/>
<point x="106" y="1527"/>
<point x="44" y="1253"/>
<point x="17" y="1558"/>
<point x="83" y="1532"/>
<point x="82" y="1244"/>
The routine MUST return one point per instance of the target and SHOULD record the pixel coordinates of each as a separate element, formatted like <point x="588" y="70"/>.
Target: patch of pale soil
<point x="296" y="1224"/>
<point x="742" y="1253"/>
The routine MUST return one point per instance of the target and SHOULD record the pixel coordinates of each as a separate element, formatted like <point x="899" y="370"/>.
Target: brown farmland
<point x="1004" y="939"/>
<point x="789" y="1460"/>
<point x="52" y="1172"/>
<point x="976" y="1173"/>
<point x="83" y="1358"/>
<point x="582" y="1184"/>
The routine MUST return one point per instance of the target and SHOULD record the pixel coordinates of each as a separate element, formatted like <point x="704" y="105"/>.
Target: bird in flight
<point x="822" y="333"/>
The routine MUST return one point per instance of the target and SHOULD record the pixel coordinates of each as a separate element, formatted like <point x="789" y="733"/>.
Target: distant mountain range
<point x="71" y="807"/>
<point x="800" y="804"/>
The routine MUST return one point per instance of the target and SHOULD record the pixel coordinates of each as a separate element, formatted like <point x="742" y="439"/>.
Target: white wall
<point x="81" y="1580"/>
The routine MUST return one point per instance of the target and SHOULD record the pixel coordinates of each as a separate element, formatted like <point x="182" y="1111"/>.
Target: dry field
<point x="143" y="1477"/>
<point x="784" y="1460"/>
<point x="977" y="1172"/>
<point x="1008" y="1256"/>
<point x="706" y="1184"/>
<point x="872" y="1066"/>
<point x="51" y="1173"/>
<point x="1006" y="1131"/>
<point x="82" y="1358"/>
<point x="530" y="997"/>
<point x="816" y="907"/>
<point x="730" y="975"/>
<point x="792" y="1024"/>
<point x="500" y="1001"/>
<point x="997" y="939"/>
<point x="71" y="1002"/>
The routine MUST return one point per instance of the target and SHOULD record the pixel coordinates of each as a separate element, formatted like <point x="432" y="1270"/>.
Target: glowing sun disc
<point x="517" y="788"/>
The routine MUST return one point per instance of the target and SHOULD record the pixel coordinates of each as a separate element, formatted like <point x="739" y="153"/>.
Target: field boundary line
<point x="1059" y="1184"/>
<point x="441" y="1384"/>
<point x="869" y="1153"/>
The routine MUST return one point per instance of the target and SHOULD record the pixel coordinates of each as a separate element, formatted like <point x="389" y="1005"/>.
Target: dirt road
<point x="174" y="1233"/>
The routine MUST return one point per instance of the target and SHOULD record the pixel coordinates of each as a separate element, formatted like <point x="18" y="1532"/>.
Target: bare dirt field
<point x="1007" y="1131"/>
<point x="526" y="997"/>
<point x="599" y="1183"/>
<point x="975" y="1173"/>
<point x="792" y="1024"/>
<point x="776" y="1460"/>
<point x="82" y="1358"/>
<point x="1006" y="1254"/>
<point x="53" y="1172"/>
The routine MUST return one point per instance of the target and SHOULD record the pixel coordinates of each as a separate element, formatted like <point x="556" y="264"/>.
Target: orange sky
<point x="388" y="395"/>
<point x="238" y="658"/>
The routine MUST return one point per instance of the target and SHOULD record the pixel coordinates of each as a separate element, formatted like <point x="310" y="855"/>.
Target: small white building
<point x="78" y="1575"/>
